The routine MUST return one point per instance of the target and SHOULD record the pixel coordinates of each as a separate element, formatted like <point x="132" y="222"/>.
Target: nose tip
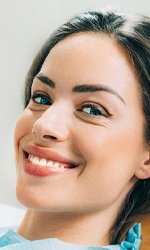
<point x="46" y="132"/>
<point x="48" y="127"/>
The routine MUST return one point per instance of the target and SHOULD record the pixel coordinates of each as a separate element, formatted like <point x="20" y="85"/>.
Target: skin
<point x="106" y="142"/>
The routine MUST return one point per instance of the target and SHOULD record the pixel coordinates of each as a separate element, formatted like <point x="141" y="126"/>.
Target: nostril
<point x="49" y="137"/>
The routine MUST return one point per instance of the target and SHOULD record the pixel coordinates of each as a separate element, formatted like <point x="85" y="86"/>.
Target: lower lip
<point x="42" y="171"/>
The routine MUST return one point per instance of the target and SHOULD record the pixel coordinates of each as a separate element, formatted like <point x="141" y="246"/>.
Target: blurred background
<point x="24" y="26"/>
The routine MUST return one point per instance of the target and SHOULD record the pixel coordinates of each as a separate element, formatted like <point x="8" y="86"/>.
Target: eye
<point x="41" y="98"/>
<point x="93" y="110"/>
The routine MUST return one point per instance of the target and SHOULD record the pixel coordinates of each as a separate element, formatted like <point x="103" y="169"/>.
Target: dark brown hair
<point x="133" y="33"/>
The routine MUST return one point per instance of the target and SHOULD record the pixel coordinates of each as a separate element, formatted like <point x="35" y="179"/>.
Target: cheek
<point x="23" y="126"/>
<point x="110" y="146"/>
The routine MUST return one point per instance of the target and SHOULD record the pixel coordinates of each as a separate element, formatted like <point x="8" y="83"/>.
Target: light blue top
<point x="11" y="240"/>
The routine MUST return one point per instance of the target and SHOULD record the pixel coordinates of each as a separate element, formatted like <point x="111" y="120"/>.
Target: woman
<point x="82" y="142"/>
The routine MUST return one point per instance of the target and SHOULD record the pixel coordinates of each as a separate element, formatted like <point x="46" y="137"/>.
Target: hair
<point x="133" y="33"/>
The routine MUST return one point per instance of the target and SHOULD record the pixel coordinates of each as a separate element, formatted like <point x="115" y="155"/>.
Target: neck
<point x="77" y="229"/>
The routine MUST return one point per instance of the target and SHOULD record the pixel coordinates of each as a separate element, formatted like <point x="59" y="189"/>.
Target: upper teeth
<point x="43" y="162"/>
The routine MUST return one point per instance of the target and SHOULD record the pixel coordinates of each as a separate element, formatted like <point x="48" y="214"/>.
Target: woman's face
<point x="79" y="143"/>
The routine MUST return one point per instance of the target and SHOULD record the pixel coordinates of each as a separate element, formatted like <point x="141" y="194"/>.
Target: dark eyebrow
<point x="44" y="79"/>
<point x="85" y="88"/>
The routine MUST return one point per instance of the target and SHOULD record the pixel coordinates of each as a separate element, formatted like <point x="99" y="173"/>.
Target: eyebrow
<point x="44" y="79"/>
<point x="84" y="88"/>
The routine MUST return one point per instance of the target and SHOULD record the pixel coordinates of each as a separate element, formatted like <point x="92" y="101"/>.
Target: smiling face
<point x="79" y="143"/>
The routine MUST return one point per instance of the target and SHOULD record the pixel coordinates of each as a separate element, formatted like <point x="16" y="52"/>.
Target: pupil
<point x="95" y="111"/>
<point x="43" y="101"/>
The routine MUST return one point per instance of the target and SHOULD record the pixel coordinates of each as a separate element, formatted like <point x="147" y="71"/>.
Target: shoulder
<point x="145" y="231"/>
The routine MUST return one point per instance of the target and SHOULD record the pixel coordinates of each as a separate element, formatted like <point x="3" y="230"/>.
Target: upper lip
<point x="47" y="153"/>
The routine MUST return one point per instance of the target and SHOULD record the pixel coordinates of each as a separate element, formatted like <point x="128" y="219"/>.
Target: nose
<point x="52" y="124"/>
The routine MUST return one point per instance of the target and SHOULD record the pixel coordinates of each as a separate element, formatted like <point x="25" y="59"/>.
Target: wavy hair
<point x="133" y="33"/>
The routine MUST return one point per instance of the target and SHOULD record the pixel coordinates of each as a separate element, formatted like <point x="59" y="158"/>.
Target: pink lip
<point x="43" y="171"/>
<point x="48" y="154"/>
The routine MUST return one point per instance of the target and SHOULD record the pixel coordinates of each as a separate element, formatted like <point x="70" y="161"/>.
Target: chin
<point x="32" y="198"/>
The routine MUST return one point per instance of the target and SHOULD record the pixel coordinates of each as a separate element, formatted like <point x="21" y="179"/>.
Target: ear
<point x="143" y="172"/>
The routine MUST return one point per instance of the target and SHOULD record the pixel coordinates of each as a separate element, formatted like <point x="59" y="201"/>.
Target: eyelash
<point x="97" y="110"/>
<point x="40" y="95"/>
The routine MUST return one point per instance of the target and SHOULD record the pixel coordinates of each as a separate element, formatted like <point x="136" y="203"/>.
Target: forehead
<point x="90" y="57"/>
<point x="90" y="44"/>
<point x="91" y="51"/>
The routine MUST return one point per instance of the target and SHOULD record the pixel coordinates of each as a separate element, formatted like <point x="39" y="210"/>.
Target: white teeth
<point x="56" y="165"/>
<point x="35" y="160"/>
<point x="50" y="164"/>
<point x="42" y="162"/>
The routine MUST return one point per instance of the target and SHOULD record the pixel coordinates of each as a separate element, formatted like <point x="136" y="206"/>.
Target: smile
<point x="47" y="163"/>
<point x="40" y="161"/>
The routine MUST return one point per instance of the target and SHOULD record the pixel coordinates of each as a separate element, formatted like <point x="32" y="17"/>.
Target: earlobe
<point x="143" y="172"/>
